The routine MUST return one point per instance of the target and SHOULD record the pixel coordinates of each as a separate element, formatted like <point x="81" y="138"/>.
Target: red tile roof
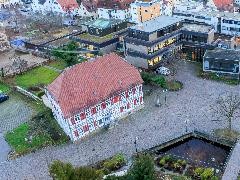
<point x="224" y="5"/>
<point x="89" y="83"/>
<point x="68" y="4"/>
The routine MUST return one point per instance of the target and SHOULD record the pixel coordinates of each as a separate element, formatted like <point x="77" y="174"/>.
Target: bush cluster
<point x="65" y="171"/>
<point x="150" y="78"/>
<point x="114" y="163"/>
<point x="205" y="173"/>
<point x="172" y="163"/>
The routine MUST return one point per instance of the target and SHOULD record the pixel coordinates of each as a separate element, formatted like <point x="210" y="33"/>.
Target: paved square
<point x="152" y="125"/>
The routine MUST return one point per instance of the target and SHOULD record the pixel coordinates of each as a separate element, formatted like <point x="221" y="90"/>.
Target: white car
<point x="163" y="71"/>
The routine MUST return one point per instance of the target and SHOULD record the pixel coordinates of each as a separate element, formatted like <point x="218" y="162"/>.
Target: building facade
<point x="99" y="99"/>
<point x="224" y="61"/>
<point x="147" y="43"/>
<point x="114" y="9"/>
<point x="223" y="22"/>
<point x="142" y="11"/>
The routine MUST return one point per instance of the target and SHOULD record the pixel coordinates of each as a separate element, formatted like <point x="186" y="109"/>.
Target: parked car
<point x="3" y="97"/>
<point x="163" y="71"/>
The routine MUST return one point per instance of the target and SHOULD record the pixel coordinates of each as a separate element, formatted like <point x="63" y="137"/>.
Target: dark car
<point x="3" y="97"/>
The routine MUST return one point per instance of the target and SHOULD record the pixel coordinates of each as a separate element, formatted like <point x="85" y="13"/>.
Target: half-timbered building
<point x="94" y="94"/>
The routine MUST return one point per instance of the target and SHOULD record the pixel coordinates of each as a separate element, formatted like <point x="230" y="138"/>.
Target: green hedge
<point x="150" y="78"/>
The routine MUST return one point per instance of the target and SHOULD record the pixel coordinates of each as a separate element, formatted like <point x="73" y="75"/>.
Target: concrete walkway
<point x="4" y="149"/>
<point x="233" y="166"/>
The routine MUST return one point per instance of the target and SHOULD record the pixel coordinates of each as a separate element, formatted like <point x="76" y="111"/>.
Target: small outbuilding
<point x="224" y="61"/>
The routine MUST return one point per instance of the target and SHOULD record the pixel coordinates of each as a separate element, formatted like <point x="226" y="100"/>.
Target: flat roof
<point x="102" y="23"/>
<point x="196" y="27"/>
<point x="156" y="23"/>
<point x="212" y="13"/>
<point x="226" y="54"/>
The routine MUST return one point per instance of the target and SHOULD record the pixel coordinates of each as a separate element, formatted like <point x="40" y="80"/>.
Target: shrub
<point x="143" y="168"/>
<point x="160" y="81"/>
<point x="44" y="123"/>
<point x="82" y="173"/>
<point x="162" y="162"/>
<point x="65" y="171"/>
<point x="198" y="171"/>
<point x="61" y="171"/>
<point x="207" y="174"/>
<point x="40" y="94"/>
<point x="114" y="163"/>
<point x="147" y="77"/>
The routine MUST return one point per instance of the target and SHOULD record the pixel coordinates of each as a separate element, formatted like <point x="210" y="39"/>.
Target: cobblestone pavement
<point x="152" y="125"/>
<point x="13" y="112"/>
<point x="233" y="167"/>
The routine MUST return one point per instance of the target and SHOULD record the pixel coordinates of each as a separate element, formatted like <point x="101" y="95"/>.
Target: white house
<point x="55" y="6"/>
<point x="114" y="9"/>
<point x="94" y="94"/>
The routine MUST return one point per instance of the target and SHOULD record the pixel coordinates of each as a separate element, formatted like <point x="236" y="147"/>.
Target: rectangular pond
<point x="199" y="151"/>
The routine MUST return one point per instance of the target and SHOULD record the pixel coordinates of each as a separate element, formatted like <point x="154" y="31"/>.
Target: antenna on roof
<point x="120" y="82"/>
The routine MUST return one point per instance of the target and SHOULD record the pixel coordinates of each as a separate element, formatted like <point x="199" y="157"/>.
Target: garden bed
<point x="174" y="85"/>
<point x="178" y="167"/>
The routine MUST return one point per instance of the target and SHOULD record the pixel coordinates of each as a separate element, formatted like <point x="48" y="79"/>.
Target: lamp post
<point x="186" y="125"/>
<point x="165" y="95"/>
<point x="135" y="143"/>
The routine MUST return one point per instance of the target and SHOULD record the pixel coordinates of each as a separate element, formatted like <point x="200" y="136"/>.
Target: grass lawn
<point x="96" y="39"/>
<point x="17" y="141"/>
<point x="4" y="88"/>
<point x="36" y="76"/>
<point x="58" y="64"/>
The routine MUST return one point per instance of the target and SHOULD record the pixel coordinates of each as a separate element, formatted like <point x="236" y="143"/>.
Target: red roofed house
<point x="92" y="94"/>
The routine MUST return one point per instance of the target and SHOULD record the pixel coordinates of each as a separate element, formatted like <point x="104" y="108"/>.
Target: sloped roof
<point x="88" y="83"/>
<point x="68" y="4"/>
<point x="224" y="5"/>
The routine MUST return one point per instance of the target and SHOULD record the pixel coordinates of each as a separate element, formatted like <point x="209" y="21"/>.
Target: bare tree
<point x="19" y="64"/>
<point x="227" y="108"/>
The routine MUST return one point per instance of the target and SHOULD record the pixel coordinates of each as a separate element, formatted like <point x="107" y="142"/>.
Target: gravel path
<point x="152" y="125"/>
<point x="5" y="149"/>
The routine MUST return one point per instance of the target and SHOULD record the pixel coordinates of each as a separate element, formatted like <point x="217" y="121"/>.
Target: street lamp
<point x="186" y="124"/>
<point x="135" y="143"/>
<point x="165" y="96"/>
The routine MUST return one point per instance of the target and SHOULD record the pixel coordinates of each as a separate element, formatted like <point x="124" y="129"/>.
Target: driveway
<point x="152" y="125"/>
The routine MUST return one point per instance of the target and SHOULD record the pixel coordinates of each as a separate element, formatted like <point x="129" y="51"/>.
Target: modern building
<point x="196" y="39"/>
<point x="91" y="95"/>
<point x="102" y="35"/>
<point x="147" y="43"/>
<point x="223" y="22"/>
<point x="142" y="10"/>
<point x="222" y="61"/>
<point x="114" y="9"/>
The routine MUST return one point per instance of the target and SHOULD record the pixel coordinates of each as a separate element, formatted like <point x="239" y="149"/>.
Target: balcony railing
<point x="134" y="53"/>
<point x="151" y="43"/>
